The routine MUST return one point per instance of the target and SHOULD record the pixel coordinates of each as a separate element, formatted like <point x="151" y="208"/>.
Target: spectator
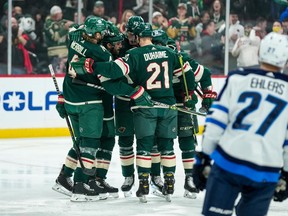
<point x="125" y="16"/>
<point x="83" y="16"/>
<point x="55" y="30"/>
<point x="99" y="10"/>
<point x="284" y="21"/>
<point x="284" y="15"/>
<point x="27" y="26"/>
<point x="21" y="63"/>
<point x="161" y="6"/>
<point x="285" y="26"/>
<point x="217" y="13"/>
<point x="260" y="28"/>
<point x="181" y="28"/>
<point x="172" y="9"/>
<point x="204" y="19"/>
<point x="70" y="9"/>
<point x="17" y="12"/>
<point x="277" y="27"/>
<point x="194" y="11"/>
<point x="142" y="9"/>
<point x="41" y="48"/>
<point x="246" y="48"/>
<point x="212" y="47"/>
<point x="4" y="17"/>
<point x="236" y="30"/>
<point x="159" y="21"/>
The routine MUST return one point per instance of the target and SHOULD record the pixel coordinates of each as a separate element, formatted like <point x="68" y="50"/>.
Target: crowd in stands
<point x="39" y="29"/>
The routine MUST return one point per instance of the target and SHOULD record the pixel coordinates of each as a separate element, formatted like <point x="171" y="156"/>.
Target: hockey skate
<point x="82" y="193"/>
<point x="156" y="185"/>
<point x="63" y="183"/>
<point x="168" y="188"/>
<point x="98" y="188"/>
<point x="108" y="188"/>
<point x="127" y="186"/>
<point x="143" y="189"/>
<point x="190" y="189"/>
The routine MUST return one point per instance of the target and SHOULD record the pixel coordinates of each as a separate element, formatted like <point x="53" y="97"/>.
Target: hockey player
<point x="187" y="127"/>
<point x="246" y="136"/>
<point x="84" y="106"/>
<point x="112" y="41"/>
<point x="151" y="67"/>
<point x="124" y="116"/>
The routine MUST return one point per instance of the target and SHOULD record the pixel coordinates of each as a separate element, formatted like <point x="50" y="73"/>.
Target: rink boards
<point x="27" y="107"/>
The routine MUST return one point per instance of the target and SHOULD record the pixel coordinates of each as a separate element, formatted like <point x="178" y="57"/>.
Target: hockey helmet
<point x="113" y="34"/>
<point x="159" y="37"/>
<point x="273" y="49"/>
<point x="143" y="30"/>
<point x="133" y="22"/>
<point x="93" y="25"/>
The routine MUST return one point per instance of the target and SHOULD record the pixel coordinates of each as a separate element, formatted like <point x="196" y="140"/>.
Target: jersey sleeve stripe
<point x="199" y="73"/>
<point x="220" y="107"/>
<point x="138" y="93"/>
<point x="123" y="66"/>
<point x="285" y="143"/>
<point x="216" y="122"/>
<point x="178" y="72"/>
<point x="254" y="172"/>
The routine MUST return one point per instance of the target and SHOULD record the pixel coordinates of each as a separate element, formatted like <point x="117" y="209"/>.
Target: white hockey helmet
<point x="274" y="49"/>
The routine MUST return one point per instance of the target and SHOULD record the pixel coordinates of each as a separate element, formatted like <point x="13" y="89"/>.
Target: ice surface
<point x="29" y="167"/>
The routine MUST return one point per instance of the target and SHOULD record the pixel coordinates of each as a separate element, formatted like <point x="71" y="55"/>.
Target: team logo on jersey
<point x="174" y="130"/>
<point x="121" y="129"/>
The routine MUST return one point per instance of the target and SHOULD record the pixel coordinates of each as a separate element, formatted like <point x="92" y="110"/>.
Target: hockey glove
<point x="141" y="97"/>
<point x="60" y="106"/>
<point x="83" y="66"/>
<point x="281" y="191"/>
<point x="208" y="97"/>
<point x="201" y="170"/>
<point x="191" y="100"/>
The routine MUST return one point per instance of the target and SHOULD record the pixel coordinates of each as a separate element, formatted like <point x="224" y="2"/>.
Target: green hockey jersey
<point x="152" y="67"/>
<point x="79" y="93"/>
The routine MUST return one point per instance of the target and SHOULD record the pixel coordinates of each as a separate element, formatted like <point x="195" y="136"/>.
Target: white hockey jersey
<point x="246" y="129"/>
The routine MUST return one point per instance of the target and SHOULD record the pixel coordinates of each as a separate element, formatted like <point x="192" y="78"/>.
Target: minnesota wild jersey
<point x="150" y="66"/>
<point x="79" y="93"/>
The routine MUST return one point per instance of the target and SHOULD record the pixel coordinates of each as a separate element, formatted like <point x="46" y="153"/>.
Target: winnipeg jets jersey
<point x="247" y="126"/>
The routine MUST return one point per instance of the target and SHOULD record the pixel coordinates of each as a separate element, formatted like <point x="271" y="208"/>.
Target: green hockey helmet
<point x="93" y="25"/>
<point x="143" y="30"/>
<point x="113" y="34"/>
<point x="171" y="44"/>
<point x="159" y="37"/>
<point x="133" y="22"/>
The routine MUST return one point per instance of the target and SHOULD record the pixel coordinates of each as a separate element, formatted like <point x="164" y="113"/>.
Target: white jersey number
<point x="155" y="68"/>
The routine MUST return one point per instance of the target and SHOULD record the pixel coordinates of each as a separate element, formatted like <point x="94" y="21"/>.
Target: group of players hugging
<point x="150" y="79"/>
<point x="155" y="87"/>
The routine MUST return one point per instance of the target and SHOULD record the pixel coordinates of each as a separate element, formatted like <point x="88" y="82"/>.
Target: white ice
<point x="28" y="168"/>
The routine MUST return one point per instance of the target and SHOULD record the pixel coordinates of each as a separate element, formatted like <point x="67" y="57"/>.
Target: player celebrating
<point x="151" y="67"/>
<point x="187" y="127"/>
<point x="83" y="105"/>
<point x="124" y="116"/>
<point x="240" y="137"/>
<point x="112" y="41"/>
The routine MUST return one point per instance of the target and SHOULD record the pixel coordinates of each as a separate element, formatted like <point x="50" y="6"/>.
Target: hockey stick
<point x="174" y="107"/>
<point x="182" y="69"/>
<point x="90" y="172"/>
<point x="81" y="82"/>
